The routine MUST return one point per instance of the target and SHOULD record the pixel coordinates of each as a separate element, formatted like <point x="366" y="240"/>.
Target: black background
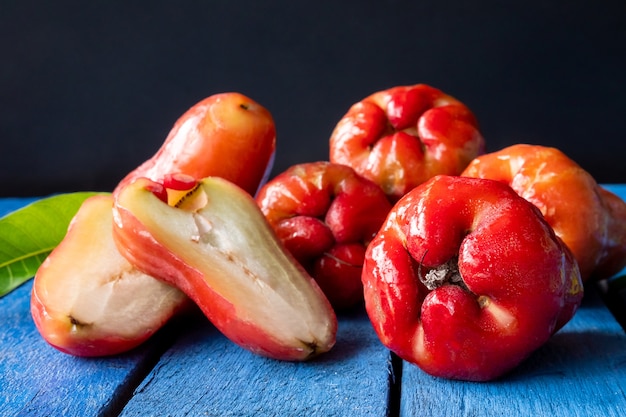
<point x="89" y="89"/>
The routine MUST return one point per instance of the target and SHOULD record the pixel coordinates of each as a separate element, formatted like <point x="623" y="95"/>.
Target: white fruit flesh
<point x="91" y="291"/>
<point x="219" y="230"/>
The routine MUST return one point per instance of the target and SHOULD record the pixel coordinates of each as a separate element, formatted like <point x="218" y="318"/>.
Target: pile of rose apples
<point x="465" y="261"/>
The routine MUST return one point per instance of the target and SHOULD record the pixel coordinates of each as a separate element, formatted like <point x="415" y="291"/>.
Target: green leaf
<point x="29" y="234"/>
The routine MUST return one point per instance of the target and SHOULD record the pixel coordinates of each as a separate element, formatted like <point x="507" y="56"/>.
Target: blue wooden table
<point x="190" y="369"/>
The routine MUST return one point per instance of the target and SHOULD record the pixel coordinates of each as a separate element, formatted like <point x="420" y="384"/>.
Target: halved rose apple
<point x="217" y="247"/>
<point x="103" y="305"/>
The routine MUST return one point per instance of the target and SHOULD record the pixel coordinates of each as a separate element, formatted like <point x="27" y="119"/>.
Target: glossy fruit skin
<point x="512" y="283"/>
<point x="226" y="135"/>
<point x="590" y="220"/>
<point x="402" y="136"/>
<point x="210" y="266"/>
<point x="326" y="215"/>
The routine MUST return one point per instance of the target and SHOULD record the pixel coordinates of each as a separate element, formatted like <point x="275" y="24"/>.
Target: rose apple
<point x="217" y="247"/>
<point x="88" y="300"/>
<point x="588" y="218"/>
<point x="326" y="215"/>
<point x="225" y="134"/>
<point x="466" y="279"/>
<point x="401" y="137"/>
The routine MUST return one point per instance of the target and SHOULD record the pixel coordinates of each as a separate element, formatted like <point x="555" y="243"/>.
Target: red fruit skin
<point x="225" y="135"/>
<point x="401" y="137"/>
<point x="326" y="214"/>
<point x="338" y="273"/>
<point x="590" y="220"/>
<point x="520" y="283"/>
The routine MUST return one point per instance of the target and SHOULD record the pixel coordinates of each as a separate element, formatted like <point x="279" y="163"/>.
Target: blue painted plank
<point x="619" y="189"/>
<point x="8" y="205"/>
<point x="581" y="371"/>
<point x="205" y="374"/>
<point x="38" y="380"/>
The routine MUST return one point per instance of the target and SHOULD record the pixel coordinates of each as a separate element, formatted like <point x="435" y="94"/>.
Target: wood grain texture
<point x="206" y="374"/>
<point x="38" y="380"/>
